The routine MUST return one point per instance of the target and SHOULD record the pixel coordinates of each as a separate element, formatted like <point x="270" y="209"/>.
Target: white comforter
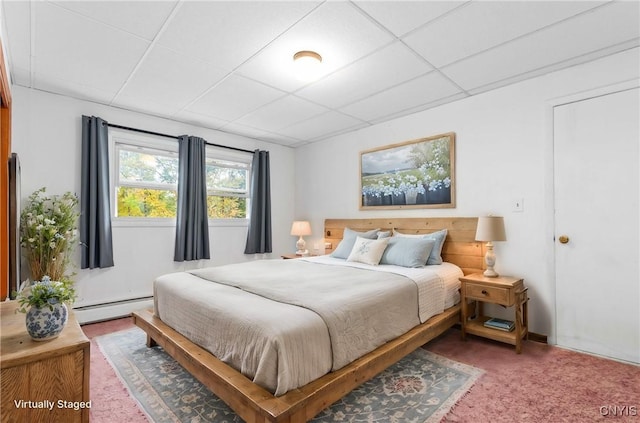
<point x="283" y="323"/>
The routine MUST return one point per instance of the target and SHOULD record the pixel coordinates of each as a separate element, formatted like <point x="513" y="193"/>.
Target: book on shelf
<point x="501" y="324"/>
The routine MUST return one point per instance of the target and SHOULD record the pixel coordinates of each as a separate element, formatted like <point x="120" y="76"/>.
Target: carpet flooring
<point x="543" y="384"/>
<point x="421" y="388"/>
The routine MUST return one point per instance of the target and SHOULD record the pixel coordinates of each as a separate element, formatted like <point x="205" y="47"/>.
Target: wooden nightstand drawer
<point x="488" y="293"/>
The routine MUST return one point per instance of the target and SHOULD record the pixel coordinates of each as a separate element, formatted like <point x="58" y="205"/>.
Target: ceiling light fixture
<point x="307" y="65"/>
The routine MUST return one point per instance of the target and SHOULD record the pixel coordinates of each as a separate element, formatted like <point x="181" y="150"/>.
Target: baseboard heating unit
<point x="108" y="311"/>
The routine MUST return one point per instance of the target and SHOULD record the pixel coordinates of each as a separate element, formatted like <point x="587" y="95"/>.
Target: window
<point x="146" y="181"/>
<point x="227" y="189"/>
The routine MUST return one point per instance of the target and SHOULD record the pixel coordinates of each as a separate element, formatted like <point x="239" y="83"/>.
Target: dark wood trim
<point x="536" y="337"/>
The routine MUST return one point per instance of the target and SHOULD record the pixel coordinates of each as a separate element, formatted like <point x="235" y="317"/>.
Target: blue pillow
<point x="349" y="239"/>
<point x="407" y="252"/>
<point x="439" y="237"/>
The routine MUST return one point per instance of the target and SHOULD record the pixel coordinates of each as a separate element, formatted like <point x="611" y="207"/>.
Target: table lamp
<point x="300" y="228"/>
<point x="490" y="228"/>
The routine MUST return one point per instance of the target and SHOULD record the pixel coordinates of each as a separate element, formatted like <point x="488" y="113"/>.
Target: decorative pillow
<point x="407" y="252"/>
<point x="348" y="239"/>
<point x="435" y="256"/>
<point x="368" y="251"/>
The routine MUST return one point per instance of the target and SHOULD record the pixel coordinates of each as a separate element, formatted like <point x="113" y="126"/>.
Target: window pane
<point x="226" y="176"/>
<point x="219" y="207"/>
<point x="145" y="202"/>
<point x="148" y="166"/>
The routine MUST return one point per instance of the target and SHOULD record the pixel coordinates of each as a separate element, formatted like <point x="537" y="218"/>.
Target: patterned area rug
<point x="421" y="388"/>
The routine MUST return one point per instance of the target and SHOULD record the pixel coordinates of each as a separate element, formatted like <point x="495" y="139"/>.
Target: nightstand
<point x="290" y="256"/>
<point x="504" y="290"/>
<point x="294" y="256"/>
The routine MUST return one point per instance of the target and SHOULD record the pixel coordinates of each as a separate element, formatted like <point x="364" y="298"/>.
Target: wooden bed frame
<point x="254" y="403"/>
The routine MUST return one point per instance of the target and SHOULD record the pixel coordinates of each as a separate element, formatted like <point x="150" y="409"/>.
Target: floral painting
<point x="412" y="174"/>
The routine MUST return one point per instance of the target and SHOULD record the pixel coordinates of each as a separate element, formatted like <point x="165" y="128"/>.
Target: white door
<point x="596" y="208"/>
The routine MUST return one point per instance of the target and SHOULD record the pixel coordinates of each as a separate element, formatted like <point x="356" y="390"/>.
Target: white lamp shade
<point x="490" y="228"/>
<point x="300" y="228"/>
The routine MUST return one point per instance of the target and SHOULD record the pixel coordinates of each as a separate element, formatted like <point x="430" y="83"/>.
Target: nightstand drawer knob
<point x="484" y="292"/>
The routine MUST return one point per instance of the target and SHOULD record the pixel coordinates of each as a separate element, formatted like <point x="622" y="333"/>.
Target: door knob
<point x="563" y="239"/>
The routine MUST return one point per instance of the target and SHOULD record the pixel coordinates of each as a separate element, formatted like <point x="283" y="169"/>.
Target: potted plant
<point x="45" y="303"/>
<point x="48" y="229"/>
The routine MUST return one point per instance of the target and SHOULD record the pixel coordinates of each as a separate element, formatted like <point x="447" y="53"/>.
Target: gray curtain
<point x="192" y="226"/>
<point x="259" y="234"/>
<point x="95" y="211"/>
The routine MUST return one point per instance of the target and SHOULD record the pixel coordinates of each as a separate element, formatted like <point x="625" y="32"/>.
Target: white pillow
<point x="368" y="251"/>
<point x="348" y="238"/>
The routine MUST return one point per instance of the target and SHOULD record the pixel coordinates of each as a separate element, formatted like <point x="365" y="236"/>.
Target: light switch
<point x="518" y="204"/>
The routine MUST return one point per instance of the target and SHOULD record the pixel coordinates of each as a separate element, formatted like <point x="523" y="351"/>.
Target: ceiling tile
<point x="583" y="34"/>
<point x="72" y="89"/>
<point x="421" y="107"/>
<point x="70" y="47"/>
<point x="234" y="97"/>
<point x="481" y="25"/>
<point x="140" y="104"/>
<point x="336" y="30"/>
<point x="389" y="66"/>
<point x="247" y="131"/>
<point x="200" y="120"/>
<point x="228" y="32"/>
<point x="17" y="24"/>
<point x="281" y="113"/>
<point x="166" y="77"/>
<point x="419" y="91"/>
<point x="407" y="16"/>
<point x="143" y="18"/>
<point x="327" y="123"/>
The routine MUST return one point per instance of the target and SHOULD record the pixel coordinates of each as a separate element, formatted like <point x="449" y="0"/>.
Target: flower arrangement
<point x="48" y="226"/>
<point x="45" y="293"/>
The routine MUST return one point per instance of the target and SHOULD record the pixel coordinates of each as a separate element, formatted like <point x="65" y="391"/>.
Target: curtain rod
<point x="113" y="125"/>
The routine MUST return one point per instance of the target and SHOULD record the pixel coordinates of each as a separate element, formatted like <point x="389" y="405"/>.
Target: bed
<point x="325" y="334"/>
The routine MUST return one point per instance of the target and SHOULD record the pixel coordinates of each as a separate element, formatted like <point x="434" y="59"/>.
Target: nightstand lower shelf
<point x="476" y="327"/>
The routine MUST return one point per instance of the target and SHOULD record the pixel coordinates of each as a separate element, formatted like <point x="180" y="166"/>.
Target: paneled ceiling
<point x="227" y="65"/>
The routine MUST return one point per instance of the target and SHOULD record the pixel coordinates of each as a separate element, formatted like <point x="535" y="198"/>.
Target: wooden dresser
<point x="44" y="381"/>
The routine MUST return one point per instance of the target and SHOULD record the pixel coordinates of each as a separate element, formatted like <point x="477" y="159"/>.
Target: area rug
<point x="421" y="388"/>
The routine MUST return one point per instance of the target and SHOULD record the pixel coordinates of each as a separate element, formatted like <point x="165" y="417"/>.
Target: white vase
<point x="44" y="324"/>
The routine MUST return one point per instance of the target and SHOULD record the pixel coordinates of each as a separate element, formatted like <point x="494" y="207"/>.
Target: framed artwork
<point x="412" y="174"/>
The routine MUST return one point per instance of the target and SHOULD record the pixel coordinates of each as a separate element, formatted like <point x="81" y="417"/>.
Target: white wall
<point x="47" y="137"/>
<point x="503" y="153"/>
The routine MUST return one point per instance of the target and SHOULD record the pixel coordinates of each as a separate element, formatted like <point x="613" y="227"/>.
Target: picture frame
<point x="413" y="174"/>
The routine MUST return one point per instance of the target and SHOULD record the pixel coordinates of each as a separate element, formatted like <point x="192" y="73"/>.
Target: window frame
<point x="119" y="139"/>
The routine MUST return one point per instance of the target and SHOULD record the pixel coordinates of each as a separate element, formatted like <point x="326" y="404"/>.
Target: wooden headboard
<point x="460" y="246"/>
